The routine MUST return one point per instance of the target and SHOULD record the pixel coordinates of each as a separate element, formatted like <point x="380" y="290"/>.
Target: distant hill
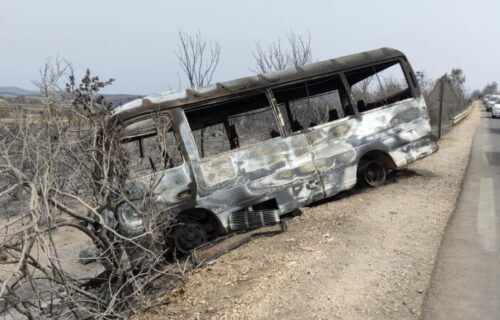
<point x="15" y="91"/>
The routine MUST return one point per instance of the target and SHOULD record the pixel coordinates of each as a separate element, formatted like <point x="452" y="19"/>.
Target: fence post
<point x="440" y="107"/>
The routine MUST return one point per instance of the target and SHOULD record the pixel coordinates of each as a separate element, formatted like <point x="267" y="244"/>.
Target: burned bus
<point x="239" y="154"/>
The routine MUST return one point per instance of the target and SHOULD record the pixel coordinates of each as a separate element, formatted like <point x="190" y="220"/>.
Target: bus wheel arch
<point x="373" y="167"/>
<point x="193" y="228"/>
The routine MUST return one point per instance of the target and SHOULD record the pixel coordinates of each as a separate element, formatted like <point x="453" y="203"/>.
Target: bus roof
<point x="187" y="97"/>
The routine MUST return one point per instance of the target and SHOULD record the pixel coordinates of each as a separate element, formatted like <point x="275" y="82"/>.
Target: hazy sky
<point x="135" y="41"/>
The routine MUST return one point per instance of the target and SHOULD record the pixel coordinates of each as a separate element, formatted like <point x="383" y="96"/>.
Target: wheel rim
<point x="374" y="174"/>
<point x="189" y="235"/>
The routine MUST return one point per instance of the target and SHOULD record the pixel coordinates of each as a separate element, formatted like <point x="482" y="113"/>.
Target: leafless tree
<point x="361" y="89"/>
<point x="199" y="59"/>
<point x="476" y="94"/>
<point x="457" y="80"/>
<point x="50" y="76"/>
<point x="276" y="57"/>
<point x="73" y="171"/>
<point x="425" y="83"/>
<point x="490" y="88"/>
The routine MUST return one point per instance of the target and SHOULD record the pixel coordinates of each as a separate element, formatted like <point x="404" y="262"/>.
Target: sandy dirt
<point x="68" y="242"/>
<point x="366" y="254"/>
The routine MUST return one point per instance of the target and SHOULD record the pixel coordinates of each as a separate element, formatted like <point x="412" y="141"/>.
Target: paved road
<point x="466" y="279"/>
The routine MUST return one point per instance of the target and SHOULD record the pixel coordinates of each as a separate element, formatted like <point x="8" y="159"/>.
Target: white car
<point x="495" y="109"/>
<point x="491" y="101"/>
<point x="486" y="99"/>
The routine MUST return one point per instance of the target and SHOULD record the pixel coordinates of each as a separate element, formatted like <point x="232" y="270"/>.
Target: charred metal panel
<point x="217" y="171"/>
<point x="338" y="146"/>
<point x="281" y="168"/>
<point x="172" y="187"/>
<point x="173" y="192"/>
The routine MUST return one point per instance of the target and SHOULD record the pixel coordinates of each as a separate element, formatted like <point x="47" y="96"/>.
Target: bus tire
<point x="372" y="173"/>
<point x="188" y="235"/>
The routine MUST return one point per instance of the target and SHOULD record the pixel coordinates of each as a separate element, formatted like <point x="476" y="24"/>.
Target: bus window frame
<point x="407" y="72"/>
<point x="221" y="101"/>
<point x="174" y="128"/>
<point x="287" y="125"/>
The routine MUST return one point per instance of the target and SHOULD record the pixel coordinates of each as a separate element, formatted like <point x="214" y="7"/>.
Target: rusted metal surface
<point x="285" y="172"/>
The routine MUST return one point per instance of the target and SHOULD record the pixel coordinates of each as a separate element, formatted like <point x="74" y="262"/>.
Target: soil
<point x="365" y="254"/>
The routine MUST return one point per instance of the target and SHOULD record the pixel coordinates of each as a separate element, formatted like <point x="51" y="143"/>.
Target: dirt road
<point x="367" y="254"/>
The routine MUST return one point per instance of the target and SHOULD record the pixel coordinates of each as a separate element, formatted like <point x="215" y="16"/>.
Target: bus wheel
<point x="189" y="235"/>
<point x="372" y="173"/>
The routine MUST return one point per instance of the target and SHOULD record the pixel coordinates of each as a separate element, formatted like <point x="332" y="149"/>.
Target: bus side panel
<point x="280" y="169"/>
<point x="173" y="187"/>
<point x="402" y="130"/>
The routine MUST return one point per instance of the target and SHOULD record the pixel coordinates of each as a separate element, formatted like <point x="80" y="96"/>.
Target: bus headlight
<point x="130" y="222"/>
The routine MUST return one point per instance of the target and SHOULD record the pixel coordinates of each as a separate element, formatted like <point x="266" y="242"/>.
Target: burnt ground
<point x="365" y="254"/>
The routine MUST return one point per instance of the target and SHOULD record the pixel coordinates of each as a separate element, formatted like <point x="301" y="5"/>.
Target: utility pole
<point x="441" y="81"/>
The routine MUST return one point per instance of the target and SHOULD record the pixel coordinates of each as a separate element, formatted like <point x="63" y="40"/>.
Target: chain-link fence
<point x="443" y="104"/>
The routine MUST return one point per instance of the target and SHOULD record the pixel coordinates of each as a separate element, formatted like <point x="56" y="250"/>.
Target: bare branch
<point x="198" y="58"/>
<point x="275" y="57"/>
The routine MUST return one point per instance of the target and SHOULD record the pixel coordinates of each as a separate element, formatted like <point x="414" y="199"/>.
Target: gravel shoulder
<point x="365" y="254"/>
